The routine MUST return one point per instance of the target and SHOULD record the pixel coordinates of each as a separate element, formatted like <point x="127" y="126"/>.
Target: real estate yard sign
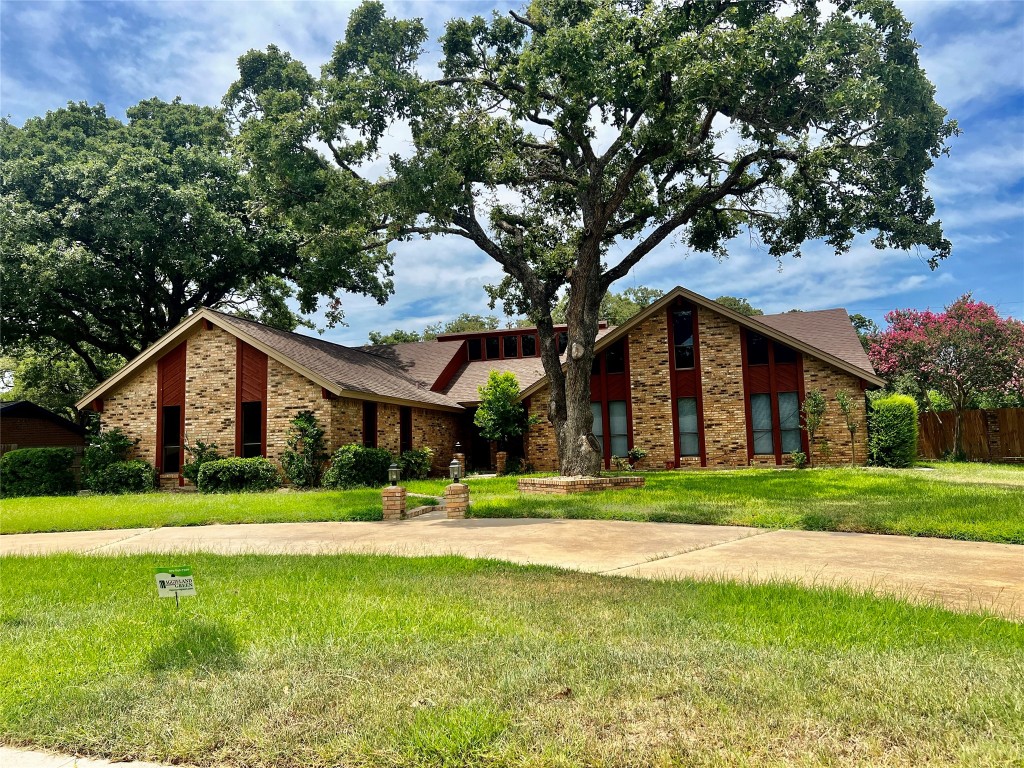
<point x="175" y="581"/>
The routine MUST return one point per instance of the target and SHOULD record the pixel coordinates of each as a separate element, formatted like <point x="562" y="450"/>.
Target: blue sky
<point x="121" y="52"/>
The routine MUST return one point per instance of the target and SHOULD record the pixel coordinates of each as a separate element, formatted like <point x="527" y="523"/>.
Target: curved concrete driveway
<point x="961" y="575"/>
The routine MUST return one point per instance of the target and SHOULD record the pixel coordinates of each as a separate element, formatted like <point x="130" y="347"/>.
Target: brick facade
<point x="210" y="389"/>
<point x="651" y="390"/>
<point x="721" y="380"/>
<point x="724" y="401"/>
<point x="438" y="430"/>
<point x="210" y="412"/>
<point x="132" y="407"/>
<point x="828" y="380"/>
<point x="210" y="403"/>
<point x="288" y="393"/>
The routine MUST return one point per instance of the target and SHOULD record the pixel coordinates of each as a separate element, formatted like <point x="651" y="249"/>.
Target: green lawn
<point x="152" y="510"/>
<point x="957" y="501"/>
<point x="378" y="661"/>
<point x="977" y="502"/>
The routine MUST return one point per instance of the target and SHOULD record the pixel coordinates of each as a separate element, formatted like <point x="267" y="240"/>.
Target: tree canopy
<point x="500" y="416"/>
<point x="569" y="140"/>
<point x="964" y="352"/>
<point x="616" y="308"/>
<point x="113" y="232"/>
<point x="464" y="323"/>
<point x="739" y="305"/>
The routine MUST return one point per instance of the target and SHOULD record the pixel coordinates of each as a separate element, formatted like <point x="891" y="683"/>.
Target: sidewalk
<point x="23" y="758"/>
<point x="965" y="576"/>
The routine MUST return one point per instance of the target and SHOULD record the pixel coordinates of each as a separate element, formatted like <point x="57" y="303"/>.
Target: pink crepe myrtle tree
<point x="964" y="352"/>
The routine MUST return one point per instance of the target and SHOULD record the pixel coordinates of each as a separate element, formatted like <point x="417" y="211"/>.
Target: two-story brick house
<point x="688" y="380"/>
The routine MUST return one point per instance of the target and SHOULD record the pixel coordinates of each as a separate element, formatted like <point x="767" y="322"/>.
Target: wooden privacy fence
<point x="996" y="435"/>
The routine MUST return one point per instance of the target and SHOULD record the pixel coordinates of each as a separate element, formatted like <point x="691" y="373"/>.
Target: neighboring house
<point x="688" y="380"/>
<point x="26" y="425"/>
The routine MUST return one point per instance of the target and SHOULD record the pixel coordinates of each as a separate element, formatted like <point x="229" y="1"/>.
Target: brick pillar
<point x="992" y="435"/>
<point x="500" y="460"/>
<point x="394" y="502"/>
<point x="461" y="458"/>
<point x="456" y="500"/>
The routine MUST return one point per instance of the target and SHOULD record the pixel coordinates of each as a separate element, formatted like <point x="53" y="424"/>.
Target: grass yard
<point x="975" y="502"/>
<point x="152" y="510"/>
<point x="377" y="661"/>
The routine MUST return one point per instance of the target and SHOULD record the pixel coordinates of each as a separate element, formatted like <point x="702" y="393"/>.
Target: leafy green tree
<point x="51" y="376"/>
<point x="812" y="409"/>
<point x="397" y="336"/>
<point x="865" y="327"/>
<point x="616" y="308"/>
<point x="846" y="407"/>
<point x="464" y="323"/>
<point x="569" y="140"/>
<point x="500" y="416"/>
<point x="111" y="233"/>
<point x="739" y="305"/>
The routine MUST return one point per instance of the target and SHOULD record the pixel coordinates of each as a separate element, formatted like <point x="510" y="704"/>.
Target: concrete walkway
<point x="24" y="758"/>
<point x="966" y="576"/>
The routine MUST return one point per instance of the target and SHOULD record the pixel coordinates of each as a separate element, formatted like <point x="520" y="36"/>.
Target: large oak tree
<point x="113" y="232"/>
<point x="571" y="139"/>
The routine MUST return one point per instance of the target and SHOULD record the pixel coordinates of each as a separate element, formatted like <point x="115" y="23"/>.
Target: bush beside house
<point x="235" y="474"/>
<point x="893" y="436"/>
<point x="37" y="472"/>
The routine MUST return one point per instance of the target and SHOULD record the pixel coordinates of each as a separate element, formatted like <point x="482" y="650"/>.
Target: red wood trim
<point x="701" y="447"/>
<point x="673" y="385"/>
<point x="629" y="392"/>
<point x="457" y="361"/>
<point x="208" y="325"/>
<point x="97" y="404"/>
<point x="181" y="413"/>
<point x="773" y="393"/>
<point x="327" y="395"/>
<point x="746" y="395"/>
<point x="263" y="401"/>
<point x="158" y="459"/>
<point x="238" y="396"/>
<point x="804" y="440"/>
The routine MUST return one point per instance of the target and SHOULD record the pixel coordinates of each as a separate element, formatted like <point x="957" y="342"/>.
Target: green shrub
<point x="416" y="463"/>
<point x="124" y="477"/>
<point x="231" y="475"/>
<point x="37" y="472"/>
<point x="200" y="453"/>
<point x="892" y="439"/>
<point x="303" y="460"/>
<point x="104" y="449"/>
<point x="355" y="465"/>
<point x="799" y="459"/>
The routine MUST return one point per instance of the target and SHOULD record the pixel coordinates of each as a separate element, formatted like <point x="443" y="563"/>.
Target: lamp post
<point x="453" y="470"/>
<point x="394" y="474"/>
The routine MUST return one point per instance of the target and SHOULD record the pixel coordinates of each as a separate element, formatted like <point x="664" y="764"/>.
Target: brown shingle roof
<point x="830" y="330"/>
<point x="423" y="361"/>
<point x="465" y="384"/>
<point x="351" y="369"/>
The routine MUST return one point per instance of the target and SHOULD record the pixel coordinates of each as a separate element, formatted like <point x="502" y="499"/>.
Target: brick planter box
<point x="564" y="485"/>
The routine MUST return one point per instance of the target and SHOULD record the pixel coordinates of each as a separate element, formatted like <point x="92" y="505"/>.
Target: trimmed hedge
<point x="135" y="476"/>
<point x="892" y="440"/>
<point x="37" y="472"/>
<point x="233" y="475"/>
<point x="355" y="465"/>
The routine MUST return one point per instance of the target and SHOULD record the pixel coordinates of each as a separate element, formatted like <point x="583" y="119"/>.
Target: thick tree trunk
<point x="579" y="452"/>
